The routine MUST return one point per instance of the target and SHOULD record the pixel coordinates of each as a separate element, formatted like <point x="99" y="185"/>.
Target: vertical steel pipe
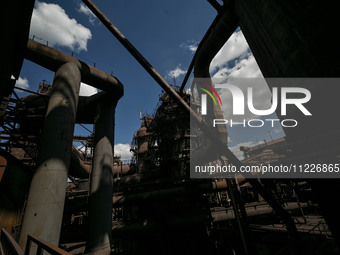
<point x="101" y="181"/>
<point x="44" y="211"/>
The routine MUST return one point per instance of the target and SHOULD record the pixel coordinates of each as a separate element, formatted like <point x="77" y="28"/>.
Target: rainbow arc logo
<point x="204" y="97"/>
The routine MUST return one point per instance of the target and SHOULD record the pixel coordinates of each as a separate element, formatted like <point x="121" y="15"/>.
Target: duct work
<point x="47" y="193"/>
<point x="151" y="205"/>
<point x="100" y="205"/>
<point x="44" y="210"/>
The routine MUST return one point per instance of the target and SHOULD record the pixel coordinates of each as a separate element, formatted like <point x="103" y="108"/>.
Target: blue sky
<point x="165" y="32"/>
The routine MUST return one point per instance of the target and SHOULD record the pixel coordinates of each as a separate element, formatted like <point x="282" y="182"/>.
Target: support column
<point x="45" y="205"/>
<point x="100" y="199"/>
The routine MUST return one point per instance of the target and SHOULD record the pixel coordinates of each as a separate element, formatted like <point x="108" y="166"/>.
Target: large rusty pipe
<point x="128" y="230"/>
<point x="218" y="35"/>
<point x="175" y="96"/>
<point x="223" y="27"/>
<point x="254" y="210"/>
<point x="14" y="186"/>
<point x="87" y="107"/>
<point x="202" y="42"/>
<point x="77" y="167"/>
<point x="52" y="59"/>
<point x="221" y="33"/>
<point x="101" y="181"/>
<point x="202" y="188"/>
<point x="135" y="230"/>
<point x="46" y="198"/>
<point x="122" y="170"/>
<point x="135" y="179"/>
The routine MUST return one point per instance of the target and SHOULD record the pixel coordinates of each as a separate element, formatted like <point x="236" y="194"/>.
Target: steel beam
<point x="176" y="97"/>
<point x="167" y="193"/>
<point x="216" y="39"/>
<point x="137" y="55"/>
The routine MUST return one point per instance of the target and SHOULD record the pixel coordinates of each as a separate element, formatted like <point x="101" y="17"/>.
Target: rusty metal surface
<point x="44" y="210"/>
<point x="52" y="59"/>
<point x="160" y="80"/>
<point x="122" y="170"/>
<point x="8" y="245"/>
<point x="86" y="111"/>
<point x="77" y="167"/>
<point x="221" y="33"/>
<point x="225" y="25"/>
<point x="167" y="193"/>
<point x="42" y="245"/>
<point x="207" y="36"/>
<point x="13" y="190"/>
<point x="136" y="192"/>
<point x="99" y="238"/>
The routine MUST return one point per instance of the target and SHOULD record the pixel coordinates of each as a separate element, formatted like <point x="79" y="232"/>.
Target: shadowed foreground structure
<point x="151" y="205"/>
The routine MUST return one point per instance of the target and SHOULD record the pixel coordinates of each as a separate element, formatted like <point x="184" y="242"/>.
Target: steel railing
<point x="8" y="246"/>
<point x="43" y="246"/>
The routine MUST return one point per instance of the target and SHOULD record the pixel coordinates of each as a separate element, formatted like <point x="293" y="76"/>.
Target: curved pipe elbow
<point x="224" y="27"/>
<point x="52" y="59"/>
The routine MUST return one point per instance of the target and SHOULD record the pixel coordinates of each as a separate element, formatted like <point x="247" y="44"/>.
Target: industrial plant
<point x="59" y="198"/>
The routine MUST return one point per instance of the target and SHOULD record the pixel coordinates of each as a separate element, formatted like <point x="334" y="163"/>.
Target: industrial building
<point x="56" y="198"/>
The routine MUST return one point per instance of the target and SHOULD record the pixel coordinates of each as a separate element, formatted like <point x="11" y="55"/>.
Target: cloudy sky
<point x="165" y="32"/>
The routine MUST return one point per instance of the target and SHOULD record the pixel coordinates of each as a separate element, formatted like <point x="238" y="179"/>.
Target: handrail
<point x="8" y="246"/>
<point x="42" y="245"/>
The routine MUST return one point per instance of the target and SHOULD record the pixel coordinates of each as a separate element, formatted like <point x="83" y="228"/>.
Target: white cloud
<point x="22" y="83"/>
<point x="244" y="65"/>
<point x="245" y="68"/>
<point x="178" y="71"/>
<point x="85" y="10"/>
<point x="51" y="23"/>
<point x="190" y="45"/>
<point x="193" y="48"/>
<point x="123" y="150"/>
<point x="235" y="47"/>
<point x="262" y="97"/>
<point x="87" y="90"/>
<point x="120" y="149"/>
